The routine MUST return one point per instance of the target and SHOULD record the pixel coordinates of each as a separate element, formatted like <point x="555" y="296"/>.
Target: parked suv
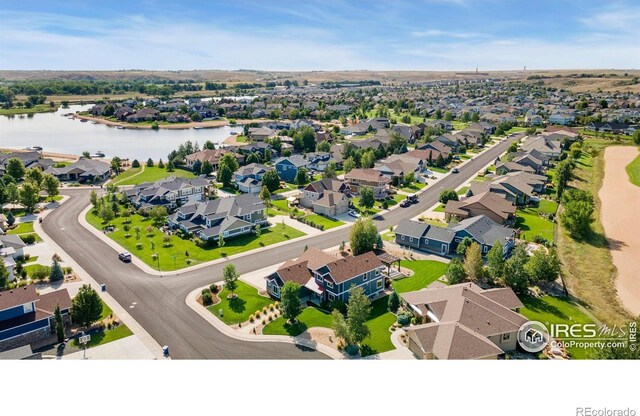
<point x="125" y="256"/>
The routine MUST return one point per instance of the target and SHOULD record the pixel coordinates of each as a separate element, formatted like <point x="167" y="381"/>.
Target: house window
<point x="485" y="249"/>
<point x="379" y="284"/>
<point x="506" y="337"/>
<point x="411" y="239"/>
<point x="365" y="277"/>
<point x="331" y="296"/>
<point x="320" y="279"/>
<point x="28" y="307"/>
<point x="328" y="283"/>
<point x="402" y="237"/>
<point x="426" y="241"/>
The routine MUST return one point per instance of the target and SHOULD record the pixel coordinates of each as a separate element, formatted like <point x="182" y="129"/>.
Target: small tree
<point x="364" y="235"/>
<point x="230" y="276"/>
<point x="455" y="272"/>
<point x="161" y="164"/>
<point x="290" y="301"/>
<point x="4" y="273"/>
<point x="495" y="261"/>
<point x="56" y="273"/>
<point x="577" y="214"/>
<point x="51" y="184"/>
<point x="515" y="273"/>
<point x="302" y="177"/>
<point x="207" y="168"/>
<point x="158" y="215"/>
<point x="473" y="262"/>
<point x="265" y="196"/>
<point x="86" y="307"/>
<point x="367" y="200"/>
<point x="358" y="310"/>
<point x="29" y="195"/>
<point x="221" y="241"/>
<point x="464" y="245"/>
<point x="394" y="301"/>
<point x="149" y="163"/>
<point x="59" y="324"/>
<point x="258" y="230"/>
<point x="135" y="163"/>
<point x="93" y="197"/>
<point x="15" y="168"/>
<point x="10" y="219"/>
<point x="543" y="267"/>
<point x="448" y="195"/>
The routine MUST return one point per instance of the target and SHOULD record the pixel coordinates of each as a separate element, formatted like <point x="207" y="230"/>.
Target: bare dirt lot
<point x="620" y="202"/>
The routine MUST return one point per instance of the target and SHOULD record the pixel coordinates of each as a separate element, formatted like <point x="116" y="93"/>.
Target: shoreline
<point x="136" y="126"/>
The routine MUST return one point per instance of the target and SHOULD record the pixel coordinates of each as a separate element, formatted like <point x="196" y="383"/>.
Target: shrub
<point x="258" y="314"/>
<point x="207" y="299"/>
<point x="213" y="288"/>
<point x="251" y="318"/>
<point x="404" y="319"/>
<point x="139" y="246"/>
<point x="270" y="318"/>
<point x="28" y="238"/>
<point x="67" y="270"/>
<point x="271" y="307"/>
<point x="27" y="257"/>
<point x="40" y="272"/>
<point x="264" y="322"/>
<point x="127" y="235"/>
<point x="206" y="290"/>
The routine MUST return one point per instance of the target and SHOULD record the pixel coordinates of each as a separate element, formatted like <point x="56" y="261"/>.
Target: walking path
<point x="620" y="200"/>
<point x="127" y="319"/>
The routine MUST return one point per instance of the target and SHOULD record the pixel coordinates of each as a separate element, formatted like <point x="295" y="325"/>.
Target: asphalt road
<point x="160" y="302"/>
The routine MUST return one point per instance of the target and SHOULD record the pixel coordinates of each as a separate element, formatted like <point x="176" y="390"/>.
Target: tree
<point x="51" y="184"/>
<point x="207" y="168"/>
<point x="10" y="219"/>
<point x="86" y="307"/>
<point x="106" y="212"/>
<point x="543" y="266"/>
<point x="290" y="301"/>
<point x="455" y="272"/>
<point x="577" y="213"/>
<point x="513" y="147"/>
<point x="171" y="166"/>
<point x="464" y="245"/>
<point x="563" y="175"/>
<point x="158" y="215"/>
<point x="4" y="273"/>
<point x="575" y="150"/>
<point x="86" y="155"/>
<point x="448" y="116"/>
<point x="29" y="195"/>
<point x="221" y="241"/>
<point x="34" y="175"/>
<point x="636" y="137"/>
<point x="56" y="274"/>
<point x="515" y="273"/>
<point x="196" y="167"/>
<point x="448" y="195"/>
<point x="324" y="146"/>
<point x="473" y="262"/>
<point x="368" y="159"/>
<point x="12" y="193"/>
<point x="135" y="163"/>
<point x="358" y="310"/>
<point x="116" y="165"/>
<point x="59" y="324"/>
<point x="225" y="175"/>
<point x="265" y="196"/>
<point x="93" y="197"/>
<point x="495" y="261"/>
<point x="15" y="168"/>
<point x="271" y="180"/>
<point x="367" y="200"/>
<point x="330" y="170"/>
<point x="308" y="138"/>
<point x="364" y="235"/>
<point x="349" y="164"/>
<point x="339" y="325"/>
<point x="302" y="177"/>
<point x="230" y="160"/>
<point x="149" y="163"/>
<point x="475" y="117"/>
<point x="394" y="301"/>
<point x="230" y="276"/>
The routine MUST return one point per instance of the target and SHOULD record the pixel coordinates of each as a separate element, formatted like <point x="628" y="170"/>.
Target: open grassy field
<point x="135" y="176"/>
<point x="425" y="273"/>
<point x="238" y="309"/>
<point x="633" y="169"/>
<point x="587" y="265"/>
<point x="183" y="253"/>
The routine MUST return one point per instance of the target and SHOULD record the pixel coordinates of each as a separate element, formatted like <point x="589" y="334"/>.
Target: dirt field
<point x="620" y="201"/>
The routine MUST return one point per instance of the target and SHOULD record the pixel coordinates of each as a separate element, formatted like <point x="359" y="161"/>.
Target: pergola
<point x="388" y="260"/>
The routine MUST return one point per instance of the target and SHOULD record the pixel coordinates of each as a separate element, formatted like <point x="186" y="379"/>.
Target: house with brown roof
<point x="325" y="278"/>
<point x="212" y="156"/>
<point x="493" y="206"/>
<point x="517" y="187"/>
<point x="327" y="196"/>
<point x="358" y="178"/>
<point x="463" y="321"/>
<point x="26" y="317"/>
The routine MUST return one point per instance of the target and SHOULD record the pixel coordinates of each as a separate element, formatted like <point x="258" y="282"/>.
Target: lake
<point x="62" y="135"/>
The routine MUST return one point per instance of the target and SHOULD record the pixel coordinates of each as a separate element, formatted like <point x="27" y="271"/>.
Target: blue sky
<point x="319" y="35"/>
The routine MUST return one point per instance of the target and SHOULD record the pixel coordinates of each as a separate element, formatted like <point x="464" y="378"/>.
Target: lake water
<point x="62" y="135"/>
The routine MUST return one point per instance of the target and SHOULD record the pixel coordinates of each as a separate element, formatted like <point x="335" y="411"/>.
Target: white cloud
<point x="445" y="34"/>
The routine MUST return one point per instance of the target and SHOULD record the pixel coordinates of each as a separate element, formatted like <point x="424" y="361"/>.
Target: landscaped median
<point x="173" y="252"/>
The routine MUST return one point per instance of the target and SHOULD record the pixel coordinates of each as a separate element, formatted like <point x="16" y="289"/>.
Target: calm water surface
<point x="59" y="134"/>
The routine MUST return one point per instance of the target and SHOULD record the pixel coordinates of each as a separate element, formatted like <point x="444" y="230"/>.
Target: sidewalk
<point x="144" y="337"/>
<point x="129" y="348"/>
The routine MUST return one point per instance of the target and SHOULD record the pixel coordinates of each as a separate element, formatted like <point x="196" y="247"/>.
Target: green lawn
<point x="439" y="208"/>
<point x="553" y="310"/>
<point x="379" y="322"/>
<point x="425" y="273"/>
<point x="148" y="175"/>
<point x="533" y="224"/>
<point x="309" y="318"/>
<point x="22" y="228"/>
<point x="176" y="255"/>
<point x="38" y="108"/>
<point x="548" y="206"/>
<point x="463" y="190"/>
<point x="321" y="220"/>
<point x="281" y="205"/>
<point x="414" y="187"/>
<point x="633" y="170"/>
<point x="356" y="203"/>
<point x="238" y="309"/>
<point x="108" y="335"/>
<point x="106" y="310"/>
<point x="31" y="259"/>
<point x="437" y="169"/>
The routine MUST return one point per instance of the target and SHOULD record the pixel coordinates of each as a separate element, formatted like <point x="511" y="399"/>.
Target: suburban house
<point x="534" y="159"/>
<point x="319" y="160"/>
<point x="396" y="167"/>
<point x="358" y="129"/>
<point x="444" y="240"/>
<point x="83" y="170"/>
<point x="493" y="206"/>
<point x="503" y="168"/>
<point x="518" y="187"/>
<point x="169" y="192"/>
<point x="212" y="156"/>
<point x="546" y="146"/>
<point x="327" y="196"/>
<point x="230" y="217"/>
<point x="26" y="317"/>
<point x="463" y="321"/>
<point x="449" y="140"/>
<point x="617" y="128"/>
<point x="28" y="159"/>
<point x="409" y="133"/>
<point x="11" y="247"/>
<point x="357" y="178"/>
<point x="249" y="178"/>
<point x="260" y="134"/>
<point x="325" y="278"/>
<point x="436" y="148"/>
<point x="144" y="114"/>
<point x="287" y="167"/>
<point x="562" y="118"/>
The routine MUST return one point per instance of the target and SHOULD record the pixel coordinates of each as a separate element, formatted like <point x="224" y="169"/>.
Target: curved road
<point x="160" y="302"/>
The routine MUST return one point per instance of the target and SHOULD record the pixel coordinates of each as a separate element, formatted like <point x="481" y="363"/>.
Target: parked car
<point x="125" y="256"/>
<point x="455" y="170"/>
<point x="353" y="213"/>
<point x="413" y="199"/>
<point x="165" y="350"/>
<point x="405" y="203"/>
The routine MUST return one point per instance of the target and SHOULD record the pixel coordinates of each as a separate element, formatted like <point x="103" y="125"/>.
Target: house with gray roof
<point x="249" y="177"/>
<point x="230" y="217"/>
<point x="517" y="187"/>
<point x="169" y="192"/>
<point x="82" y="170"/>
